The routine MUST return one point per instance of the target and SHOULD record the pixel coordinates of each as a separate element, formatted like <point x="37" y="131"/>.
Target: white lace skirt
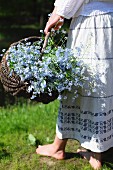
<point x="89" y="118"/>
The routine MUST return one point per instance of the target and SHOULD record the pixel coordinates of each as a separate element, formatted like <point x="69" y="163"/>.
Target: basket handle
<point x="45" y="42"/>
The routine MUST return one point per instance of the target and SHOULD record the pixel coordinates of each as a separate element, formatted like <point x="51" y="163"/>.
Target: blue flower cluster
<point x="56" y="69"/>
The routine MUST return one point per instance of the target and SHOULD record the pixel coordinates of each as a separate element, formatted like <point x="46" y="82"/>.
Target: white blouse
<point x="74" y="8"/>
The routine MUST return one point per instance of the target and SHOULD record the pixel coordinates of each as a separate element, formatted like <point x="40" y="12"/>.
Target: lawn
<point x="22" y="128"/>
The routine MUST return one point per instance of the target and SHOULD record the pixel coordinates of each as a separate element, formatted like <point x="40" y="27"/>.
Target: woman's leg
<point x="93" y="158"/>
<point x="56" y="149"/>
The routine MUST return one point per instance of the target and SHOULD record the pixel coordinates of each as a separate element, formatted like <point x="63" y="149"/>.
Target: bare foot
<point x="50" y="150"/>
<point x="93" y="158"/>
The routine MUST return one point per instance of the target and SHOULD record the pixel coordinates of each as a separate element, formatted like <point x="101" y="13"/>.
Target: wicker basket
<point x="13" y="84"/>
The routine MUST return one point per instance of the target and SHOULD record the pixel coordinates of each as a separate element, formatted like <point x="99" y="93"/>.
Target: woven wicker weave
<point x="13" y="84"/>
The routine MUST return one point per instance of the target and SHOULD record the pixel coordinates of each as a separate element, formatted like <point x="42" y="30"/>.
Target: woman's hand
<point x="55" y="21"/>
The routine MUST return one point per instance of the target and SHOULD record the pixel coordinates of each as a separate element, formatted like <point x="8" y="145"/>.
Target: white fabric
<point x="89" y="119"/>
<point x="67" y="8"/>
<point x="96" y="8"/>
<point x="74" y="8"/>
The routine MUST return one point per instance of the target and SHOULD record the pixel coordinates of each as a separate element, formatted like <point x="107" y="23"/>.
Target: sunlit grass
<point x="17" y="122"/>
<point x="16" y="150"/>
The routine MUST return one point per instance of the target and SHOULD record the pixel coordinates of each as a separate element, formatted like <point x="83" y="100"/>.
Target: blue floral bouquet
<point x="43" y="73"/>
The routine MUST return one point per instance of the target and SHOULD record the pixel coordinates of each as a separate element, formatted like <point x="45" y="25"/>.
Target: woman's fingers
<point x="58" y="25"/>
<point x="48" y="27"/>
<point x="55" y="21"/>
<point x="54" y="25"/>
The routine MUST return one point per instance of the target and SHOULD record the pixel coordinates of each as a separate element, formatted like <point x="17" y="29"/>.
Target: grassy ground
<point x="22" y="128"/>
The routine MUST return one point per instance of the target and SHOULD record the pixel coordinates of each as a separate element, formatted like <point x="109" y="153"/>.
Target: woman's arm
<point x="63" y="9"/>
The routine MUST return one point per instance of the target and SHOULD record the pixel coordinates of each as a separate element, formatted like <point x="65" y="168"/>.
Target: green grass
<point x="17" y="152"/>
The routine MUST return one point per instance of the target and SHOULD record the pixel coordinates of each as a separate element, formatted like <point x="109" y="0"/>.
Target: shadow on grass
<point x="70" y="155"/>
<point x="107" y="158"/>
<point x="38" y="142"/>
<point x="4" y="154"/>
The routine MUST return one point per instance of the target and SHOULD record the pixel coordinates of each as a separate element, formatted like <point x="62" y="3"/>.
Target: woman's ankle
<point x="60" y="144"/>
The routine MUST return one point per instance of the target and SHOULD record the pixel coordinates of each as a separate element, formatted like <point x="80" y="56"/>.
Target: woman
<point x="89" y="118"/>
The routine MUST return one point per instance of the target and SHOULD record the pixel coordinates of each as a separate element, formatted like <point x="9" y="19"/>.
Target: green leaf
<point x="31" y="139"/>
